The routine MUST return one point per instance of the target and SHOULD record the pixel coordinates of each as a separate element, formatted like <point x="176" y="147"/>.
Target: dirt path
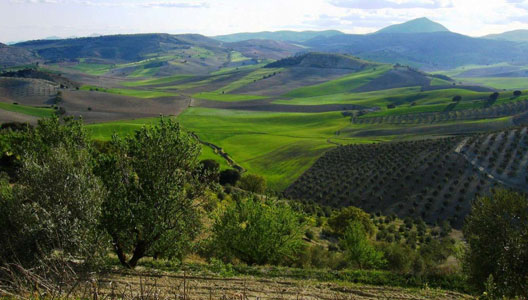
<point x="171" y="286"/>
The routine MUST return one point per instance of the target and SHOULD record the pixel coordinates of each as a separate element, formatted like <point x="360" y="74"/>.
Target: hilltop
<point x="284" y="35"/>
<point x="115" y="47"/>
<point x="420" y="25"/>
<point x="520" y="35"/>
<point x="322" y="60"/>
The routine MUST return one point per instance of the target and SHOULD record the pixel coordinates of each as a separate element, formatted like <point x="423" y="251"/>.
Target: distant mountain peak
<point x="420" y="25"/>
<point x="520" y="35"/>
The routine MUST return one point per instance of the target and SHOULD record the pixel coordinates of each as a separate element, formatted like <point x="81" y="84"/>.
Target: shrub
<point x="253" y="183"/>
<point x="257" y="232"/>
<point x="359" y="252"/>
<point x="340" y="219"/>
<point x="229" y="176"/>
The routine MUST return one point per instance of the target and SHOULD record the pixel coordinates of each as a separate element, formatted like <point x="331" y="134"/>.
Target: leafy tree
<point x="340" y="219"/>
<point x="497" y="235"/>
<point x="229" y="176"/>
<point x="253" y="183"/>
<point x="56" y="202"/>
<point x="358" y="249"/>
<point x="457" y="98"/>
<point x="517" y="93"/>
<point x="154" y="192"/>
<point x="258" y="232"/>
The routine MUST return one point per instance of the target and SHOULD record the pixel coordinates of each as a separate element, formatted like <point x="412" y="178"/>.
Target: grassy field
<point x="128" y="92"/>
<point x="226" y="97"/>
<point x="507" y="83"/>
<point x="251" y="77"/>
<point x="156" y="81"/>
<point x="28" y="110"/>
<point x="340" y="85"/>
<point x="104" y="132"/>
<point x="92" y="69"/>
<point x="279" y="146"/>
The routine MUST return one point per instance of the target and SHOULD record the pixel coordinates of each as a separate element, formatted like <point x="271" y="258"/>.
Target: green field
<point x="92" y="69"/>
<point x="226" y="97"/>
<point x="340" y="85"/>
<point x="128" y="92"/>
<point x="279" y="146"/>
<point x="156" y="81"/>
<point x="258" y="74"/>
<point x="507" y="83"/>
<point x="39" y="112"/>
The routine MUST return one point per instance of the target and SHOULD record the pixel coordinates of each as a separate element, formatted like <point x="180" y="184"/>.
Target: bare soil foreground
<point x="182" y="286"/>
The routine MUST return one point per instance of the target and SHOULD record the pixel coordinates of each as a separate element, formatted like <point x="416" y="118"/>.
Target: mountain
<point x="520" y="35"/>
<point x="415" y="26"/>
<point x="434" y="50"/>
<point x="14" y="56"/>
<point x="285" y="35"/>
<point x="131" y="47"/>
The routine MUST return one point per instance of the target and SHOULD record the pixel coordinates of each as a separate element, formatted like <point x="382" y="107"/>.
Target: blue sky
<point x="33" y="19"/>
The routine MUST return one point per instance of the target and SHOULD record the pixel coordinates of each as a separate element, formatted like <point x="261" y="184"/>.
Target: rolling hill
<point x="415" y="26"/>
<point x="14" y="56"/>
<point x="284" y="35"/>
<point x="116" y="48"/>
<point x="520" y="35"/>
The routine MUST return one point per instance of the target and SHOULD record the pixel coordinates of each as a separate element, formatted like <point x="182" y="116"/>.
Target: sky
<point x="34" y="19"/>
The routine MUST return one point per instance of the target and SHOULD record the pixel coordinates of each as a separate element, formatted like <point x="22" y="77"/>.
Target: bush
<point x="340" y="219"/>
<point x="496" y="231"/>
<point x="359" y="252"/>
<point x="229" y="176"/>
<point x="257" y="232"/>
<point x="253" y="183"/>
<point x="517" y="93"/>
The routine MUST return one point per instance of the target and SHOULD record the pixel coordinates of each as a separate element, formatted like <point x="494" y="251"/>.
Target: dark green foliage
<point x="497" y="236"/>
<point x="517" y="93"/>
<point x="210" y="168"/>
<point x="257" y="232"/>
<point x="359" y="251"/>
<point x="457" y="98"/>
<point x="253" y="183"/>
<point x="229" y="176"/>
<point x="340" y="220"/>
<point x="56" y="202"/>
<point x="154" y="191"/>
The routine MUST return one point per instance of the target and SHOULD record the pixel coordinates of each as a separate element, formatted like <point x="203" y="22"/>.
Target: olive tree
<point x="154" y="191"/>
<point x="56" y="201"/>
<point x="496" y="231"/>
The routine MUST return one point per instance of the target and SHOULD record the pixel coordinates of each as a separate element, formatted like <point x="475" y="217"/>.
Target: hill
<point x="433" y="50"/>
<point x="321" y="60"/>
<point x="14" y="56"/>
<point x="115" y="48"/>
<point x="415" y="26"/>
<point x="265" y="49"/>
<point x="284" y="35"/>
<point x="520" y="35"/>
